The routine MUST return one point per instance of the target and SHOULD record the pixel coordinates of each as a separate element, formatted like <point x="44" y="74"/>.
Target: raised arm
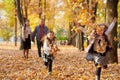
<point x="111" y="26"/>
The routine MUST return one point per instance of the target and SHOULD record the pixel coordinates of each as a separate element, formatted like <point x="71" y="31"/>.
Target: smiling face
<point x="100" y="29"/>
<point x="27" y="23"/>
<point x="42" y="22"/>
<point x="51" y="35"/>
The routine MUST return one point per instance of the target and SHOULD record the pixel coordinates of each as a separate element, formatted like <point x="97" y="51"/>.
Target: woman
<point x="26" y="37"/>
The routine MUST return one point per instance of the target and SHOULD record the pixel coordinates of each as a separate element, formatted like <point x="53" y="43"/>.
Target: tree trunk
<point x="79" y="41"/>
<point x="15" y="39"/>
<point x="19" y="14"/>
<point x="15" y="30"/>
<point x="26" y="9"/>
<point x="74" y="40"/>
<point x="21" y="18"/>
<point x="69" y="34"/>
<point x="40" y="8"/>
<point x="44" y="9"/>
<point x="111" y="12"/>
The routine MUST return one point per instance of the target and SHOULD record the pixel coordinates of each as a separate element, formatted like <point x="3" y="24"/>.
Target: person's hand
<point x="115" y="19"/>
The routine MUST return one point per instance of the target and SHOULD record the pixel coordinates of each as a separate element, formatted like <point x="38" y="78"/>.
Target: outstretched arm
<point x="34" y="33"/>
<point x="111" y="26"/>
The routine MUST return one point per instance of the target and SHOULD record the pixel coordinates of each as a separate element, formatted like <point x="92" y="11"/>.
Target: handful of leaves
<point x="54" y="49"/>
<point x="101" y="46"/>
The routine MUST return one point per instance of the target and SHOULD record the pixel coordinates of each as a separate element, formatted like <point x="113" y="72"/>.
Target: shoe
<point x="49" y="73"/>
<point x="97" y="77"/>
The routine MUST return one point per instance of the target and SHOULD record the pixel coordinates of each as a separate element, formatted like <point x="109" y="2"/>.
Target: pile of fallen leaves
<point x="69" y="64"/>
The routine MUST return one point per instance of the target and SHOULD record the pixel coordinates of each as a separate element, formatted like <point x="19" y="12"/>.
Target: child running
<point x="99" y="46"/>
<point x="49" y="50"/>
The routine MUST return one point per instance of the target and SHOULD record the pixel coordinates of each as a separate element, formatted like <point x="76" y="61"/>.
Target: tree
<point x="7" y="19"/>
<point x="6" y="33"/>
<point x="111" y="12"/>
<point x="21" y="16"/>
<point x="84" y="13"/>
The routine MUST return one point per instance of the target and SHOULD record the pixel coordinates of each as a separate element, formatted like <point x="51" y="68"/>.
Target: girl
<point x="49" y="50"/>
<point x="99" y="46"/>
<point x="26" y="36"/>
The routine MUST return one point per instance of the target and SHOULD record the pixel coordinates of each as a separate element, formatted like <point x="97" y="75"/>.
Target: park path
<point x="69" y="64"/>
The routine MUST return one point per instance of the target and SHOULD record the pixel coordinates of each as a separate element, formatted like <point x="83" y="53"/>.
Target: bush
<point x="61" y="38"/>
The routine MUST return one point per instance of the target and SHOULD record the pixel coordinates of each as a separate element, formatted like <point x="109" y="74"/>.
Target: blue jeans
<point x="39" y="46"/>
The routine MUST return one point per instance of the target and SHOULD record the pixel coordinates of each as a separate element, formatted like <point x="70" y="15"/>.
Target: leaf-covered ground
<point x="69" y="64"/>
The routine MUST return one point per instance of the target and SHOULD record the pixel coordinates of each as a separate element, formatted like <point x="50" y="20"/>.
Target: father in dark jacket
<point x="40" y="31"/>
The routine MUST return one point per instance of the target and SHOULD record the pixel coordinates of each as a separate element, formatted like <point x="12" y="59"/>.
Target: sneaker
<point x="49" y="73"/>
<point x="97" y="77"/>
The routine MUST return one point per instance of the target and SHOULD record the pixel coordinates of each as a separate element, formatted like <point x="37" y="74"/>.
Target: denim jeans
<point x="39" y="46"/>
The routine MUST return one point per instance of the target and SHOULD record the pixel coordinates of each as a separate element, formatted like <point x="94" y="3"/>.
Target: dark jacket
<point x="36" y="32"/>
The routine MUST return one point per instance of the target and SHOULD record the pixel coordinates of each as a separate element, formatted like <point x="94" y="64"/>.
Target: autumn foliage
<point x="69" y="64"/>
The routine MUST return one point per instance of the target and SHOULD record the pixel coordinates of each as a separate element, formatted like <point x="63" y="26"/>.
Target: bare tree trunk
<point x="21" y="18"/>
<point x="15" y="26"/>
<point x="25" y="9"/>
<point x="69" y="34"/>
<point x="15" y="30"/>
<point x="74" y="40"/>
<point x="44" y="9"/>
<point x="40" y="8"/>
<point x="79" y="41"/>
<point x="111" y="12"/>
<point x="19" y="14"/>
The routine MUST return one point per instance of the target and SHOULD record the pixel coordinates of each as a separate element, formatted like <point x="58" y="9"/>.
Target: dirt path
<point x="69" y="64"/>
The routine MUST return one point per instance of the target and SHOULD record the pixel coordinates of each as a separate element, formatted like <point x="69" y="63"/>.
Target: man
<point x="40" y="31"/>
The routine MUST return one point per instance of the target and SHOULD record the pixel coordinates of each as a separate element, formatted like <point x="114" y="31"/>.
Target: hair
<point x="42" y="19"/>
<point x="25" y="23"/>
<point x="105" y="26"/>
<point x="51" y="32"/>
